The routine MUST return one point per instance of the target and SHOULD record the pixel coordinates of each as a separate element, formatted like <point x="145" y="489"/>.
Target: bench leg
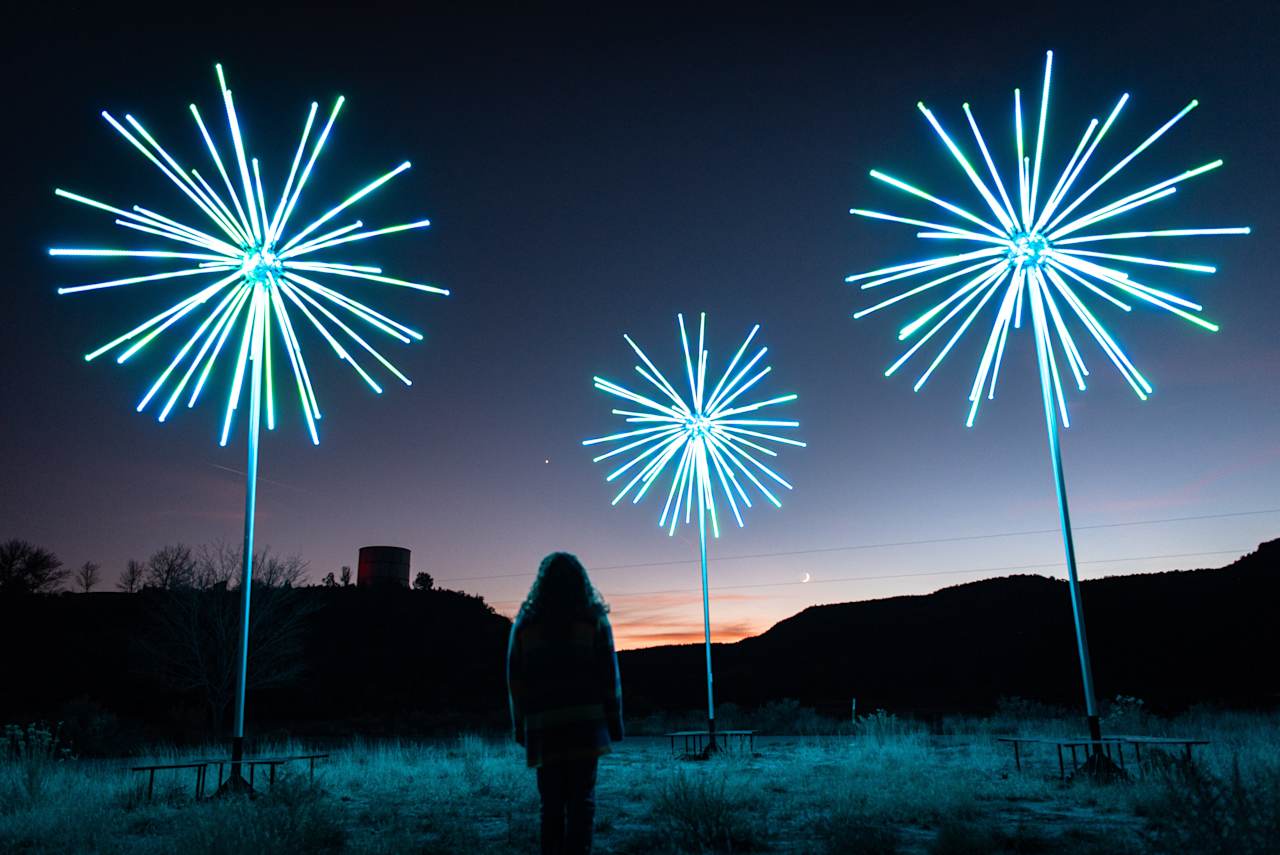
<point x="151" y="784"/>
<point x="273" y="774"/>
<point x="1062" y="769"/>
<point x="1017" y="757"/>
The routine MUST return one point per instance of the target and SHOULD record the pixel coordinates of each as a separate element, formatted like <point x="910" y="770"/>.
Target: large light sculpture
<point x="709" y="437"/>
<point x="266" y="279"/>
<point x="1031" y="253"/>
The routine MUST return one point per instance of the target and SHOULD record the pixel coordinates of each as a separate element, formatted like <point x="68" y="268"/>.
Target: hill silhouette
<point x="1174" y="639"/>
<point x="368" y="661"/>
<point x="404" y="662"/>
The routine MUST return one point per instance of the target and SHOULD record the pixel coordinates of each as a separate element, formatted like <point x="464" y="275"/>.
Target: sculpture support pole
<point x="1064" y="517"/>
<point x="246" y="555"/>
<point x="706" y="620"/>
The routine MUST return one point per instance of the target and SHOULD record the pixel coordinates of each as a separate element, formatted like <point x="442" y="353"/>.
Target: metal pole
<point x="706" y="619"/>
<point x="1064" y="517"/>
<point x="246" y="574"/>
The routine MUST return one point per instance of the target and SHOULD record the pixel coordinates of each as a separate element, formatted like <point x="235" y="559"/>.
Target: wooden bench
<point x="202" y="765"/>
<point x="698" y="739"/>
<point x="1072" y="743"/>
<point x="1107" y="743"/>
<point x="1138" y="741"/>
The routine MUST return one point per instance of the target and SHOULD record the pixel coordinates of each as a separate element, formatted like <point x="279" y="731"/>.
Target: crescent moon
<point x="806" y="578"/>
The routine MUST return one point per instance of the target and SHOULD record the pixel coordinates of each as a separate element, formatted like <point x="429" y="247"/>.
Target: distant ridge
<point x="1172" y="638"/>
<point x="409" y="662"/>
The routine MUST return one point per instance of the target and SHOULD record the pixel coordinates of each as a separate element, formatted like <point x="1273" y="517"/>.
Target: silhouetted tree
<point x="27" y="569"/>
<point x="87" y="576"/>
<point x="328" y="581"/>
<point x="130" y="580"/>
<point x="171" y="568"/>
<point x="289" y="571"/>
<point x="346" y="577"/>
<point x="423" y="582"/>
<point x="195" y="635"/>
<point x="216" y="565"/>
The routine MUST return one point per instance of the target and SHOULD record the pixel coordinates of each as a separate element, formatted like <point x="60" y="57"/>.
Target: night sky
<point x="590" y="176"/>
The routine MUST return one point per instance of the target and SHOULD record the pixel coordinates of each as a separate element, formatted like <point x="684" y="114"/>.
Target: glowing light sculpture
<point x="710" y="438"/>
<point x="265" y="277"/>
<point x="1032" y="251"/>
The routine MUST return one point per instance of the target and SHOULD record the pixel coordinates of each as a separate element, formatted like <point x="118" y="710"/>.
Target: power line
<point x="887" y="544"/>
<point x="915" y="574"/>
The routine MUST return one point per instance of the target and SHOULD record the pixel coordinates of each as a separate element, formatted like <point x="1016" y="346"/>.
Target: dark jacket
<point x="564" y="688"/>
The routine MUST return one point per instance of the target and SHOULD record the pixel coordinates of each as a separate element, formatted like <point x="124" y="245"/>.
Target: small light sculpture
<point x="1033" y="251"/>
<point x="711" y="438"/>
<point x="263" y="274"/>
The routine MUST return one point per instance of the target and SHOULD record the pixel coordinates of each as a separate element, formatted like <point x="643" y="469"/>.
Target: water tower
<point x="383" y="567"/>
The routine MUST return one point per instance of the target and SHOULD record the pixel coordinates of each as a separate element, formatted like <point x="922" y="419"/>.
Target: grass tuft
<point x="847" y="828"/>
<point x="1195" y="810"/>
<point x="293" y="816"/>
<point x="703" y="812"/>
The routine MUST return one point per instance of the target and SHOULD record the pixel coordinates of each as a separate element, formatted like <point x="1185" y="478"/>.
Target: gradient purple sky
<point x="591" y="177"/>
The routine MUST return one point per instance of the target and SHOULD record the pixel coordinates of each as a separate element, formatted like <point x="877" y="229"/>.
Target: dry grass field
<point x="888" y="787"/>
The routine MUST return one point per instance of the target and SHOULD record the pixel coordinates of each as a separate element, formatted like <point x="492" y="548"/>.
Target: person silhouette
<point x="565" y="693"/>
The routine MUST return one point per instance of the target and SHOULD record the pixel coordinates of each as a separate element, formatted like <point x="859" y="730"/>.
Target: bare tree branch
<point x="87" y="576"/>
<point x="130" y="581"/>
<point x="196" y="629"/>
<point x="27" y="569"/>
<point x="171" y="567"/>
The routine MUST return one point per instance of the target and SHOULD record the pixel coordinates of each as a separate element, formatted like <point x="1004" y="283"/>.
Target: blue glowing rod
<point x="260" y="270"/>
<point x="711" y="438"/>
<point x="1032" y="251"/>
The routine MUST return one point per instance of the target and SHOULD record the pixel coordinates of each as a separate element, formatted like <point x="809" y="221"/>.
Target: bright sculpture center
<point x="698" y="425"/>
<point x="1029" y="248"/>
<point x="261" y="265"/>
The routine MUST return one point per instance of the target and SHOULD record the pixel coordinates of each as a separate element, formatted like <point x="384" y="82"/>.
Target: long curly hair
<point x="562" y="591"/>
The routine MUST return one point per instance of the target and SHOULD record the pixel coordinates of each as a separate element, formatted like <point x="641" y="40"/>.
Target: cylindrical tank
<point x="383" y="566"/>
